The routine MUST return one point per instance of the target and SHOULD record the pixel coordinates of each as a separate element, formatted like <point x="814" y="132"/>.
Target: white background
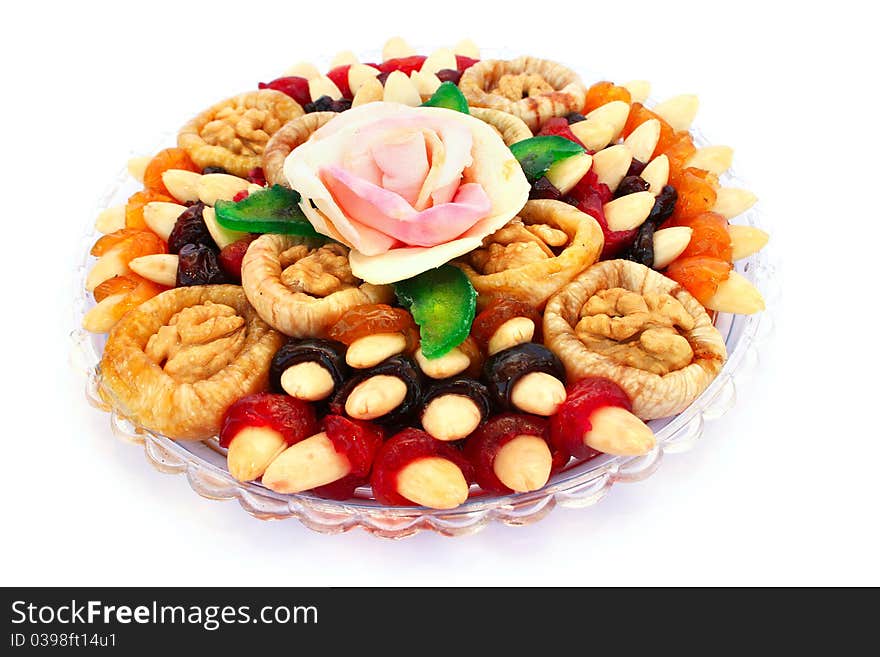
<point x="782" y="490"/>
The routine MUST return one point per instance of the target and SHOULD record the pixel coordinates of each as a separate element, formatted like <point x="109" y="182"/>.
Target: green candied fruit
<point x="443" y="303"/>
<point x="537" y="154"/>
<point x="448" y="96"/>
<point x="271" y="210"/>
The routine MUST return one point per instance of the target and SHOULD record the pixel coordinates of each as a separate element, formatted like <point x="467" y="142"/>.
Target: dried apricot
<point x="696" y="194"/>
<point x="115" y="285"/>
<point x="137" y="290"/>
<point x="699" y="275"/>
<point x="130" y="243"/>
<point x="134" y="209"/>
<point x="169" y="158"/>
<point x="603" y="93"/>
<point x="638" y="114"/>
<point x="710" y="237"/>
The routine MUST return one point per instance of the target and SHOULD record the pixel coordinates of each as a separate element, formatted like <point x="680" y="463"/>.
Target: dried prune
<point x="664" y="206"/>
<point x="642" y="249"/>
<point x="449" y="75"/>
<point x="208" y="170"/>
<point x="631" y="185"/>
<point x="197" y="265"/>
<point x="542" y="188"/>
<point x="636" y="167"/>
<point x="575" y="117"/>
<point x="327" y="104"/>
<point x="190" y="228"/>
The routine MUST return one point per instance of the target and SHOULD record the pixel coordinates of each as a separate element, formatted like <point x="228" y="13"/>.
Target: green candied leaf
<point x="443" y="303"/>
<point x="448" y="96"/>
<point x="272" y="210"/>
<point x="537" y="154"/>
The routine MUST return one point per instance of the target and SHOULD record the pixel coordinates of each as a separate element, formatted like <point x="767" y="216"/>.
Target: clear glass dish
<point x="578" y="485"/>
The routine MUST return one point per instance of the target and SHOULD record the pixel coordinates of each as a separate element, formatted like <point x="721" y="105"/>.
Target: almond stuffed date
<point x="310" y="370"/>
<point x="453" y="408"/>
<point x="528" y="378"/>
<point x="388" y="394"/>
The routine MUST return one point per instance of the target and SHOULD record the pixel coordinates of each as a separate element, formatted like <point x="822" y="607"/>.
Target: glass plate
<point x="579" y="485"/>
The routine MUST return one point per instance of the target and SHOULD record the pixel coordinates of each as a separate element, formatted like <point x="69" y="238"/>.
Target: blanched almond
<point x="451" y="417"/>
<point x="513" y="332"/>
<point x="359" y="74"/>
<point x="678" y="112"/>
<point x="440" y="59"/>
<point x="371" y="350"/>
<point x="628" y="212"/>
<point x="395" y="48"/>
<point x="101" y="318"/>
<point x="449" y="364"/>
<point x="108" y="265"/>
<point x="736" y="295"/>
<point x="400" y="89"/>
<point x="375" y="397"/>
<point x="215" y="186"/>
<point x="467" y="48"/>
<point x="252" y="450"/>
<point x="614" y="113"/>
<point x="305" y="70"/>
<point x="344" y="58"/>
<point x="669" y="243"/>
<point x="110" y="219"/>
<point x="426" y="82"/>
<point x="369" y="92"/>
<point x="183" y="185"/>
<point x="656" y="174"/>
<point x="305" y="465"/>
<point x="639" y="90"/>
<point x="746" y="240"/>
<point x="715" y="159"/>
<point x="565" y="174"/>
<point x="731" y="201"/>
<point x="643" y="140"/>
<point x="309" y="381"/>
<point x="538" y="393"/>
<point x="611" y="165"/>
<point x="595" y="135"/>
<point x="160" y="217"/>
<point x="434" y="482"/>
<point x="223" y="237"/>
<point x="160" y="268"/>
<point x="323" y="86"/>
<point x="616" y="431"/>
<point x="137" y="166"/>
<point x="523" y="464"/>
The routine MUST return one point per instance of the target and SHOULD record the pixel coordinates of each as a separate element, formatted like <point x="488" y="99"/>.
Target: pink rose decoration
<point x="406" y="188"/>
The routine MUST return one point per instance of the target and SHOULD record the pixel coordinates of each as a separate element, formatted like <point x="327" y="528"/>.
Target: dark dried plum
<point x="322" y="104"/>
<point x="642" y="249"/>
<point x="636" y="168"/>
<point x="543" y="188"/>
<point x="197" y="265"/>
<point x="463" y="386"/>
<point x="664" y="205"/>
<point x="401" y="367"/>
<point x="575" y="117"/>
<point x="631" y="185"/>
<point x="190" y="228"/>
<point x="504" y="369"/>
<point x="329" y="354"/>
<point x="449" y="75"/>
<point x="382" y="77"/>
<point x="208" y="170"/>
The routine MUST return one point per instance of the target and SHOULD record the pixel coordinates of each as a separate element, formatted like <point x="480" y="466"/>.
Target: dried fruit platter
<point x="423" y="292"/>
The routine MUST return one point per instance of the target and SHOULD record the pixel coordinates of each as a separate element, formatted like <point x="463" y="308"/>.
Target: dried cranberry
<point x="257" y="176"/>
<point x="642" y="249"/>
<point x="339" y="75"/>
<point x="294" y="86"/>
<point x="449" y="75"/>
<point x="190" y="228"/>
<point x="636" y="168"/>
<point x="575" y="117"/>
<point x="631" y="185"/>
<point x="208" y="170"/>
<point x="559" y="126"/>
<point x="664" y="205"/>
<point x="405" y="64"/>
<point x="232" y="254"/>
<point x="197" y="265"/>
<point x="463" y="63"/>
<point x="572" y="419"/>
<point x="543" y="188"/>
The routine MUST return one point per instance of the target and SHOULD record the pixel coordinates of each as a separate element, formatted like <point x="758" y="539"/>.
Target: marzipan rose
<point x="406" y="188"/>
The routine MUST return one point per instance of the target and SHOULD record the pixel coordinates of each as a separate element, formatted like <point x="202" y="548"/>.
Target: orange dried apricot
<point x="679" y="149"/>
<point x="130" y="243"/>
<point x="115" y="285"/>
<point x="604" y="92"/>
<point x="134" y="209"/>
<point x="699" y="275"/>
<point x="169" y="158"/>
<point x="710" y="237"/>
<point x="638" y="114"/>
<point x="696" y="194"/>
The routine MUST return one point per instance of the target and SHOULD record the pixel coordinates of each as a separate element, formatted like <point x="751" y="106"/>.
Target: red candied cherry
<point x="512" y="453"/>
<point x="590" y="197"/>
<point x="332" y="463"/>
<point x="412" y="468"/>
<point x="292" y="85"/>
<point x="595" y="417"/>
<point x="339" y="75"/>
<point x="259" y="427"/>
<point x="232" y="255"/>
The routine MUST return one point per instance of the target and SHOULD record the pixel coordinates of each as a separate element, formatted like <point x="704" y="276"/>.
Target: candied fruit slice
<point x="403" y="449"/>
<point x="271" y="210"/>
<point x="572" y="420"/>
<point x="294" y="419"/>
<point x="358" y="441"/>
<point x="560" y="127"/>
<point x="603" y="93"/>
<point x="484" y="444"/>
<point x="372" y="318"/>
<point x="169" y="158"/>
<point x="711" y="237"/>
<point x="696" y="194"/>
<point x="699" y="275"/>
<point x="449" y="97"/>
<point x="134" y="208"/>
<point x="537" y="154"/>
